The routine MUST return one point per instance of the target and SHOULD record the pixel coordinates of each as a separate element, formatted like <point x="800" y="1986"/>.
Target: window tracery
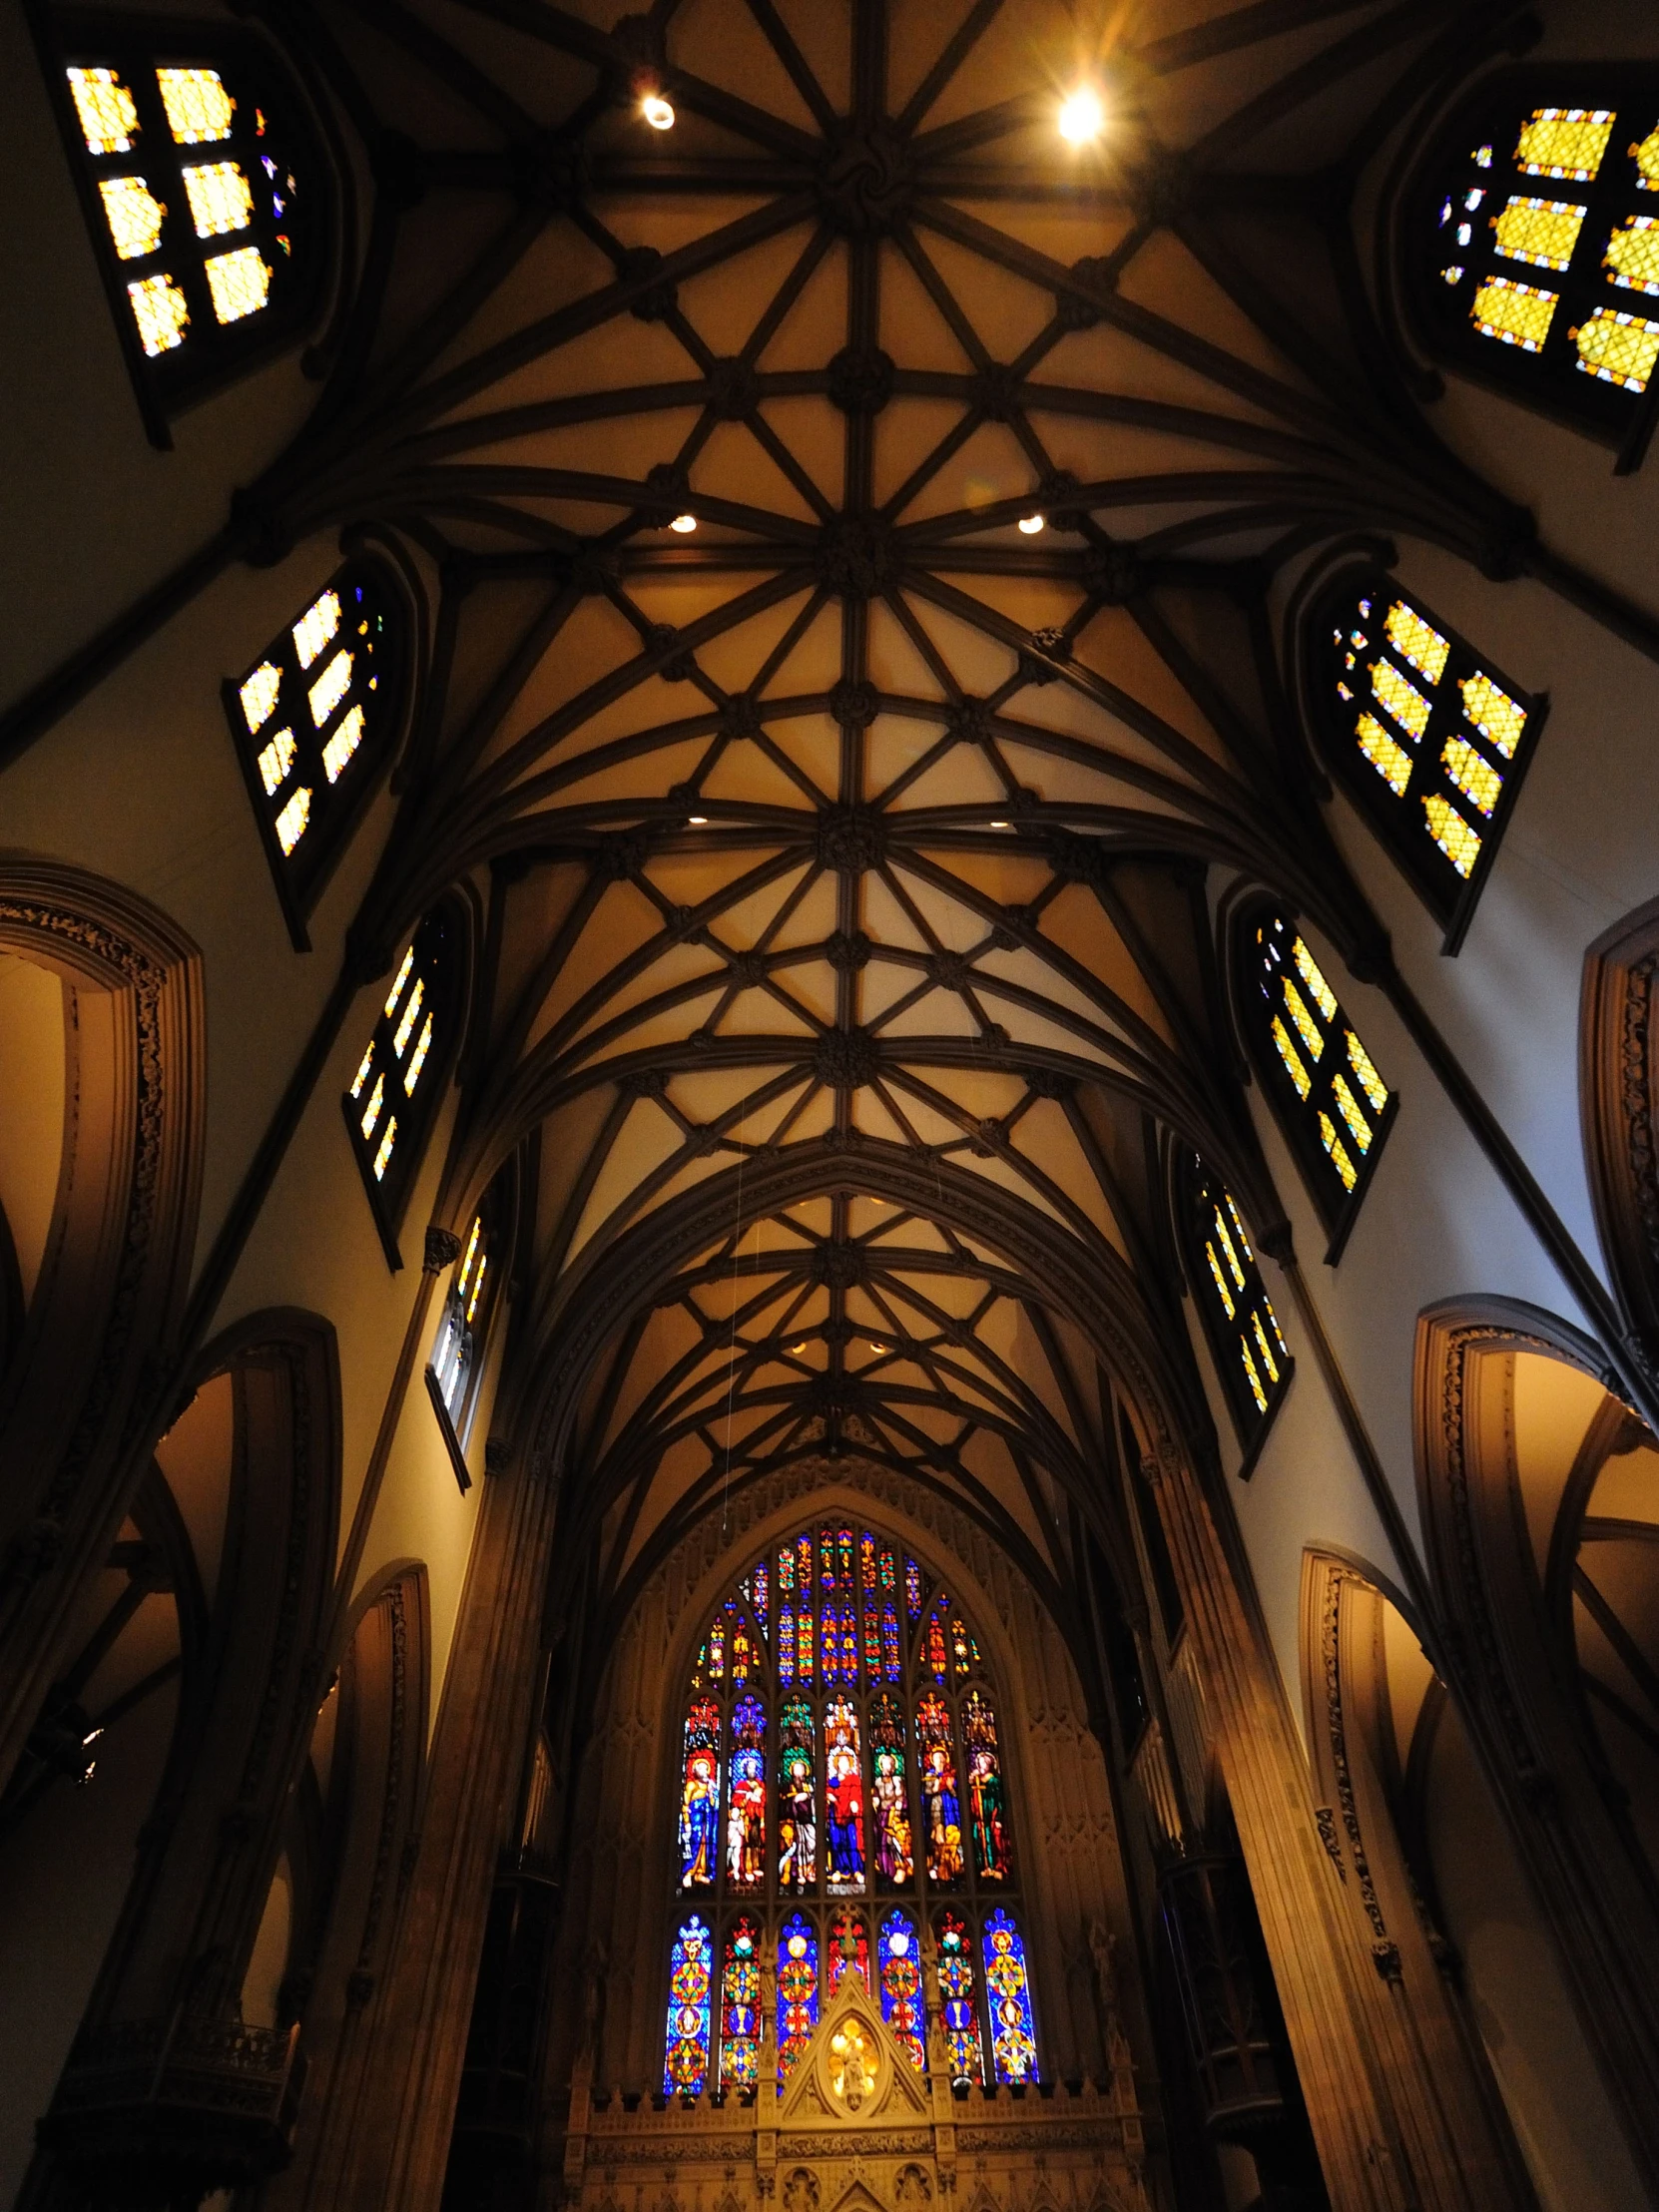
<point x="1324" y="1088"/>
<point x="205" y="193"/>
<point x="393" y="1094"/>
<point x="1535" y="251"/>
<point x="1249" y="1348"/>
<point x="843" y="1803"/>
<point x="1428" y="737"/>
<point x="311" y="720"/>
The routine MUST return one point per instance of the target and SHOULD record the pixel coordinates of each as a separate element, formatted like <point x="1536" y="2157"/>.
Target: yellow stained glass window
<point x="1564" y="141"/>
<point x="290" y="823"/>
<point x="1291" y="1057"/>
<point x="275" y="762"/>
<point x="219" y="199"/>
<point x="1618" y="349"/>
<point x="1453" y="836"/>
<point x="1268" y="1359"/>
<point x="1244" y="1240"/>
<point x="109" y="120"/>
<point x="315" y="627"/>
<point x="1646" y="158"/>
<point x="384" y="1156"/>
<point x="1474" y="775"/>
<point x="1542" y="232"/>
<point x="1403" y="700"/>
<point x="344" y="742"/>
<point x="259" y="694"/>
<point x="1233" y="1265"/>
<point x="372" y="1112"/>
<point x="1516" y="315"/>
<point x="1324" y="997"/>
<point x="1307" y="1027"/>
<point x="1389" y="759"/>
<point x="1360" y="1060"/>
<point x="1633" y="254"/>
<point x="477" y="1287"/>
<point x="1416" y="640"/>
<point x="240" y="283"/>
<point x="199" y="109"/>
<point x="412" y="1014"/>
<point x="417" y="1058"/>
<point x="1220" y="1280"/>
<point x="1349" y="1107"/>
<point x="161" y="312"/>
<point x="1500" y="718"/>
<point x="403" y="978"/>
<point x="364" y="1066"/>
<point x="1338" y="1152"/>
<point x="1256" y="1389"/>
<point x="330" y="687"/>
<point x="134" y="216"/>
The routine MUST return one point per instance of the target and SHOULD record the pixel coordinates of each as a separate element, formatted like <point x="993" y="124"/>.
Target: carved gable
<point x="852" y="2070"/>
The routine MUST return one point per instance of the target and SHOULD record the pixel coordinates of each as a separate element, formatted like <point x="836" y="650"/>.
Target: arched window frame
<point x="435" y="958"/>
<point x="1623" y="192"/>
<point x="1279" y="993"/>
<point x="1235" y="1339"/>
<point x="824" y="1907"/>
<point x="295" y="201"/>
<point x="472" y="1296"/>
<point x="1326" y="622"/>
<point x="308" y="794"/>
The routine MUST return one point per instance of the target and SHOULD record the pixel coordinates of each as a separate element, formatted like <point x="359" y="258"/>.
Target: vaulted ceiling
<point x="847" y="860"/>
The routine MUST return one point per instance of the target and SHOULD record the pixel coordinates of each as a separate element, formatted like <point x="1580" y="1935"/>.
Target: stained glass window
<point x="313" y="720"/>
<point x="1536" y="244"/>
<point x="206" y="191"/>
<point x="1239" y="1319"/>
<point x="1330" y="1099"/>
<point x="1428" y="737"/>
<point x="832" y="1793"/>
<point x="686" y="2067"/>
<point x="392" y="1096"/>
<point x="1013" y="2038"/>
<point x="455" y="1367"/>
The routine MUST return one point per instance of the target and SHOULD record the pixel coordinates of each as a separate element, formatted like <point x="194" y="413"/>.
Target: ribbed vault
<point x="849" y="855"/>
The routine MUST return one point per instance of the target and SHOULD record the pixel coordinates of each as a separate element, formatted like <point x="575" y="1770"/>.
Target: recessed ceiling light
<point x="1082" y="117"/>
<point x="999" y="825"/>
<point x="685" y="524"/>
<point x="1030" y="525"/>
<point x="796" y="1351"/>
<point x="698" y="821"/>
<point x="657" y="112"/>
<point x="881" y="1348"/>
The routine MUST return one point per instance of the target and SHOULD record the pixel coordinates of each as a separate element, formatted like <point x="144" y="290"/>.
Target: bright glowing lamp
<point x="1030" y="525"/>
<point x="683" y="524"/>
<point x="657" y="112"/>
<point x="1082" y="117"/>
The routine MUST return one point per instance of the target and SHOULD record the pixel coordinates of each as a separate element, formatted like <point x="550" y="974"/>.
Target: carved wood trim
<point x="1616" y="1046"/>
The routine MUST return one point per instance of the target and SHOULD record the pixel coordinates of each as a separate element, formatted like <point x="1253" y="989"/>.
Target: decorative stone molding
<point x="1617" y="1095"/>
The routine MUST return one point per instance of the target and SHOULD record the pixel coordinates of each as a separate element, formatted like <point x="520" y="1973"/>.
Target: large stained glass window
<point x="1330" y="1099"/>
<point x="1430" y="738"/>
<point x="1250" y="1353"/>
<point x="1536" y="243"/>
<point x="392" y="1096"/>
<point x="842" y="1807"/>
<point x="313" y="720"/>
<point x="204" y="191"/>
<point x="686" y="2065"/>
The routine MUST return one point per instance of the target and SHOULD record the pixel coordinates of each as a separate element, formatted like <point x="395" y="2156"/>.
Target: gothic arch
<point x="1593" y="1884"/>
<point x="80" y="1388"/>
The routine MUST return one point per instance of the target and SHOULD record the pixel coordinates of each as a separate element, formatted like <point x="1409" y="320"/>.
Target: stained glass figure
<point x="797" y="1800"/>
<point x="700" y="1796"/>
<point x="1331" y="1101"/>
<point x="843" y="1799"/>
<point x="956" y="1999"/>
<point x="990" y="1836"/>
<point x="889" y="1794"/>
<point x="866" y="1564"/>
<point x="901" y="1997"/>
<point x="1013" y="2033"/>
<point x="848" y="1947"/>
<point x="686" y="2070"/>
<point x="796" y="1990"/>
<point x="740" y="2007"/>
<point x="745" y="1809"/>
<point x="941" y="1792"/>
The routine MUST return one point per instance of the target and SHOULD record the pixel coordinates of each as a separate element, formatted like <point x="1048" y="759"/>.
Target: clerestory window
<point x="393" y="1096"/>
<point x="1245" y="1339"/>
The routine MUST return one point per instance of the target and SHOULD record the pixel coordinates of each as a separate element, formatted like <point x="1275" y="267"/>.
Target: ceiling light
<point x="685" y="524"/>
<point x="796" y="1351"/>
<point x="881" y="1348"/>
<point x="1082" y="117"/>
<point x="1030" y="525"/>
<point x="657" y="112"/>
<point x="999" y="825"/>
<point x="698" y="821"/>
